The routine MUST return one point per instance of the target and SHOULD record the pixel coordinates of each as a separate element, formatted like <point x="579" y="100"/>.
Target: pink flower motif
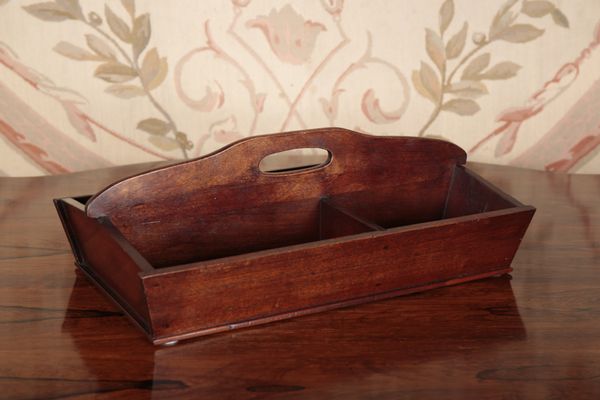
<point x="291" y="37"/>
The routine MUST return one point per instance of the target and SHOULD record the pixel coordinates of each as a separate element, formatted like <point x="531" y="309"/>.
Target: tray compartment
<point x="470" y="194"/>
<point x="466" y="194"/>
<point x="258" y="228"/>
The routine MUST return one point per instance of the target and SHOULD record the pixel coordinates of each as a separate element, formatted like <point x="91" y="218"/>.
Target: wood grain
<point x="203" y="208"/>
<point x="536" y="336"/>
<point x="187" y="255"/>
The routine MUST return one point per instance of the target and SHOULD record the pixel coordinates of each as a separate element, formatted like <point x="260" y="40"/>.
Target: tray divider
<point x="337" y="221"/>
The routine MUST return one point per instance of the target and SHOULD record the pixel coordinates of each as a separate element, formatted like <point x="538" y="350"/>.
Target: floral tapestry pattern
<point x="93" y="84"/>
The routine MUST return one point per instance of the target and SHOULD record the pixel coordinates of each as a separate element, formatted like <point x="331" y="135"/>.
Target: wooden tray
<point x="214" y="243"/>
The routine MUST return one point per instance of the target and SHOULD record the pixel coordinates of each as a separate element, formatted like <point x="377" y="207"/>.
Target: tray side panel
<point x="101" y="256"/>
<point x="172" y="240"/>
<point x="279" y="284"/>
<point x="470" y="194"/>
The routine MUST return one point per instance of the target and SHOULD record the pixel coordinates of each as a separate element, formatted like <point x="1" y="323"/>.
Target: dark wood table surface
<point x="533" y="336"/>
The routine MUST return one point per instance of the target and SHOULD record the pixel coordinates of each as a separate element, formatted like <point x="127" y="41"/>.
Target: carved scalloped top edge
<point x="93" y="207"/>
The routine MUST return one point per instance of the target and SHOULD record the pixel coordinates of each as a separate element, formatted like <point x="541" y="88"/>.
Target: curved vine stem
<point x="433" y="116"/>
<point x="316" y="72"/>
<point x="361" y="62"/>
<point x="438" y="106"/>
<point x="133" y="63"/>
<point x="263" y="64"/>
<point x="212" y="45"/>
<point x="465" y="59"/>
<point x="446" y="81"/>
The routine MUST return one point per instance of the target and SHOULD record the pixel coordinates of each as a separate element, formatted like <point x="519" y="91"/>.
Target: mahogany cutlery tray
<point x="215" y="243"/>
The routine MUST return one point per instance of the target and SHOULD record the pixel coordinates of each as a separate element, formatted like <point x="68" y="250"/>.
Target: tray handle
<point x="238" y="165"/>
<point x="258" y="148"/>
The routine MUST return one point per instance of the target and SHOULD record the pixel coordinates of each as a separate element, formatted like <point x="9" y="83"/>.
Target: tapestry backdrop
<point x="89" y="84"/>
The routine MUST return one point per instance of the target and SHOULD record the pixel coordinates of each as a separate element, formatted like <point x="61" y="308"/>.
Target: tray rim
<point x="313" y="244"/>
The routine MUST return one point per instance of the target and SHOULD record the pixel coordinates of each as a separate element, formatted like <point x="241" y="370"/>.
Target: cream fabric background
<point x="75" y="94"/>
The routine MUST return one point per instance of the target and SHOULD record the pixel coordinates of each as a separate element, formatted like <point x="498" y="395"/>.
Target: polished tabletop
<point x="535" y="335"/>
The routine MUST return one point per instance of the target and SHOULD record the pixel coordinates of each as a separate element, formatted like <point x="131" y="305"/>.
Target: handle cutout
<point x="295" y="160"/>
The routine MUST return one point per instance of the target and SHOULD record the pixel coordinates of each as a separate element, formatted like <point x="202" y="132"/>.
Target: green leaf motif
<point x="154" y="69"/>
<point x="503" y="18"/>
<point x="537" y="8"/>
<point x="505" y="8"/>
<point x="559" y="18"/>
<point x="503" y="24"/>
<point x="72" y="7"/>
<point x="75" y="52"/>
<point x="475" y="66"/>
<point x="125" y="91"/>
<point x="154" y="126"/>
<point x="427" y="83"/>
<point x="183" y="140"/>
<point x="503" y="70"/>
<point x="164" y="143"/>
<point x="117" y="25"/>
<point x="418" y="84"/>
<point x="430" y="81"/>
<point x="141" y="34"/>
<point x="435" y="48"/>
<point x="520" y="33"/>
<point x="470" y="89"/>
<point x="49" y="12"/>
<point x="100" y="47"/>
<point x="446" y="14"/>
<point x="129" y="5"/>
<point x="456" y="44"/>
<point x="461" y="106"/>
<point x="115" y="72"/>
